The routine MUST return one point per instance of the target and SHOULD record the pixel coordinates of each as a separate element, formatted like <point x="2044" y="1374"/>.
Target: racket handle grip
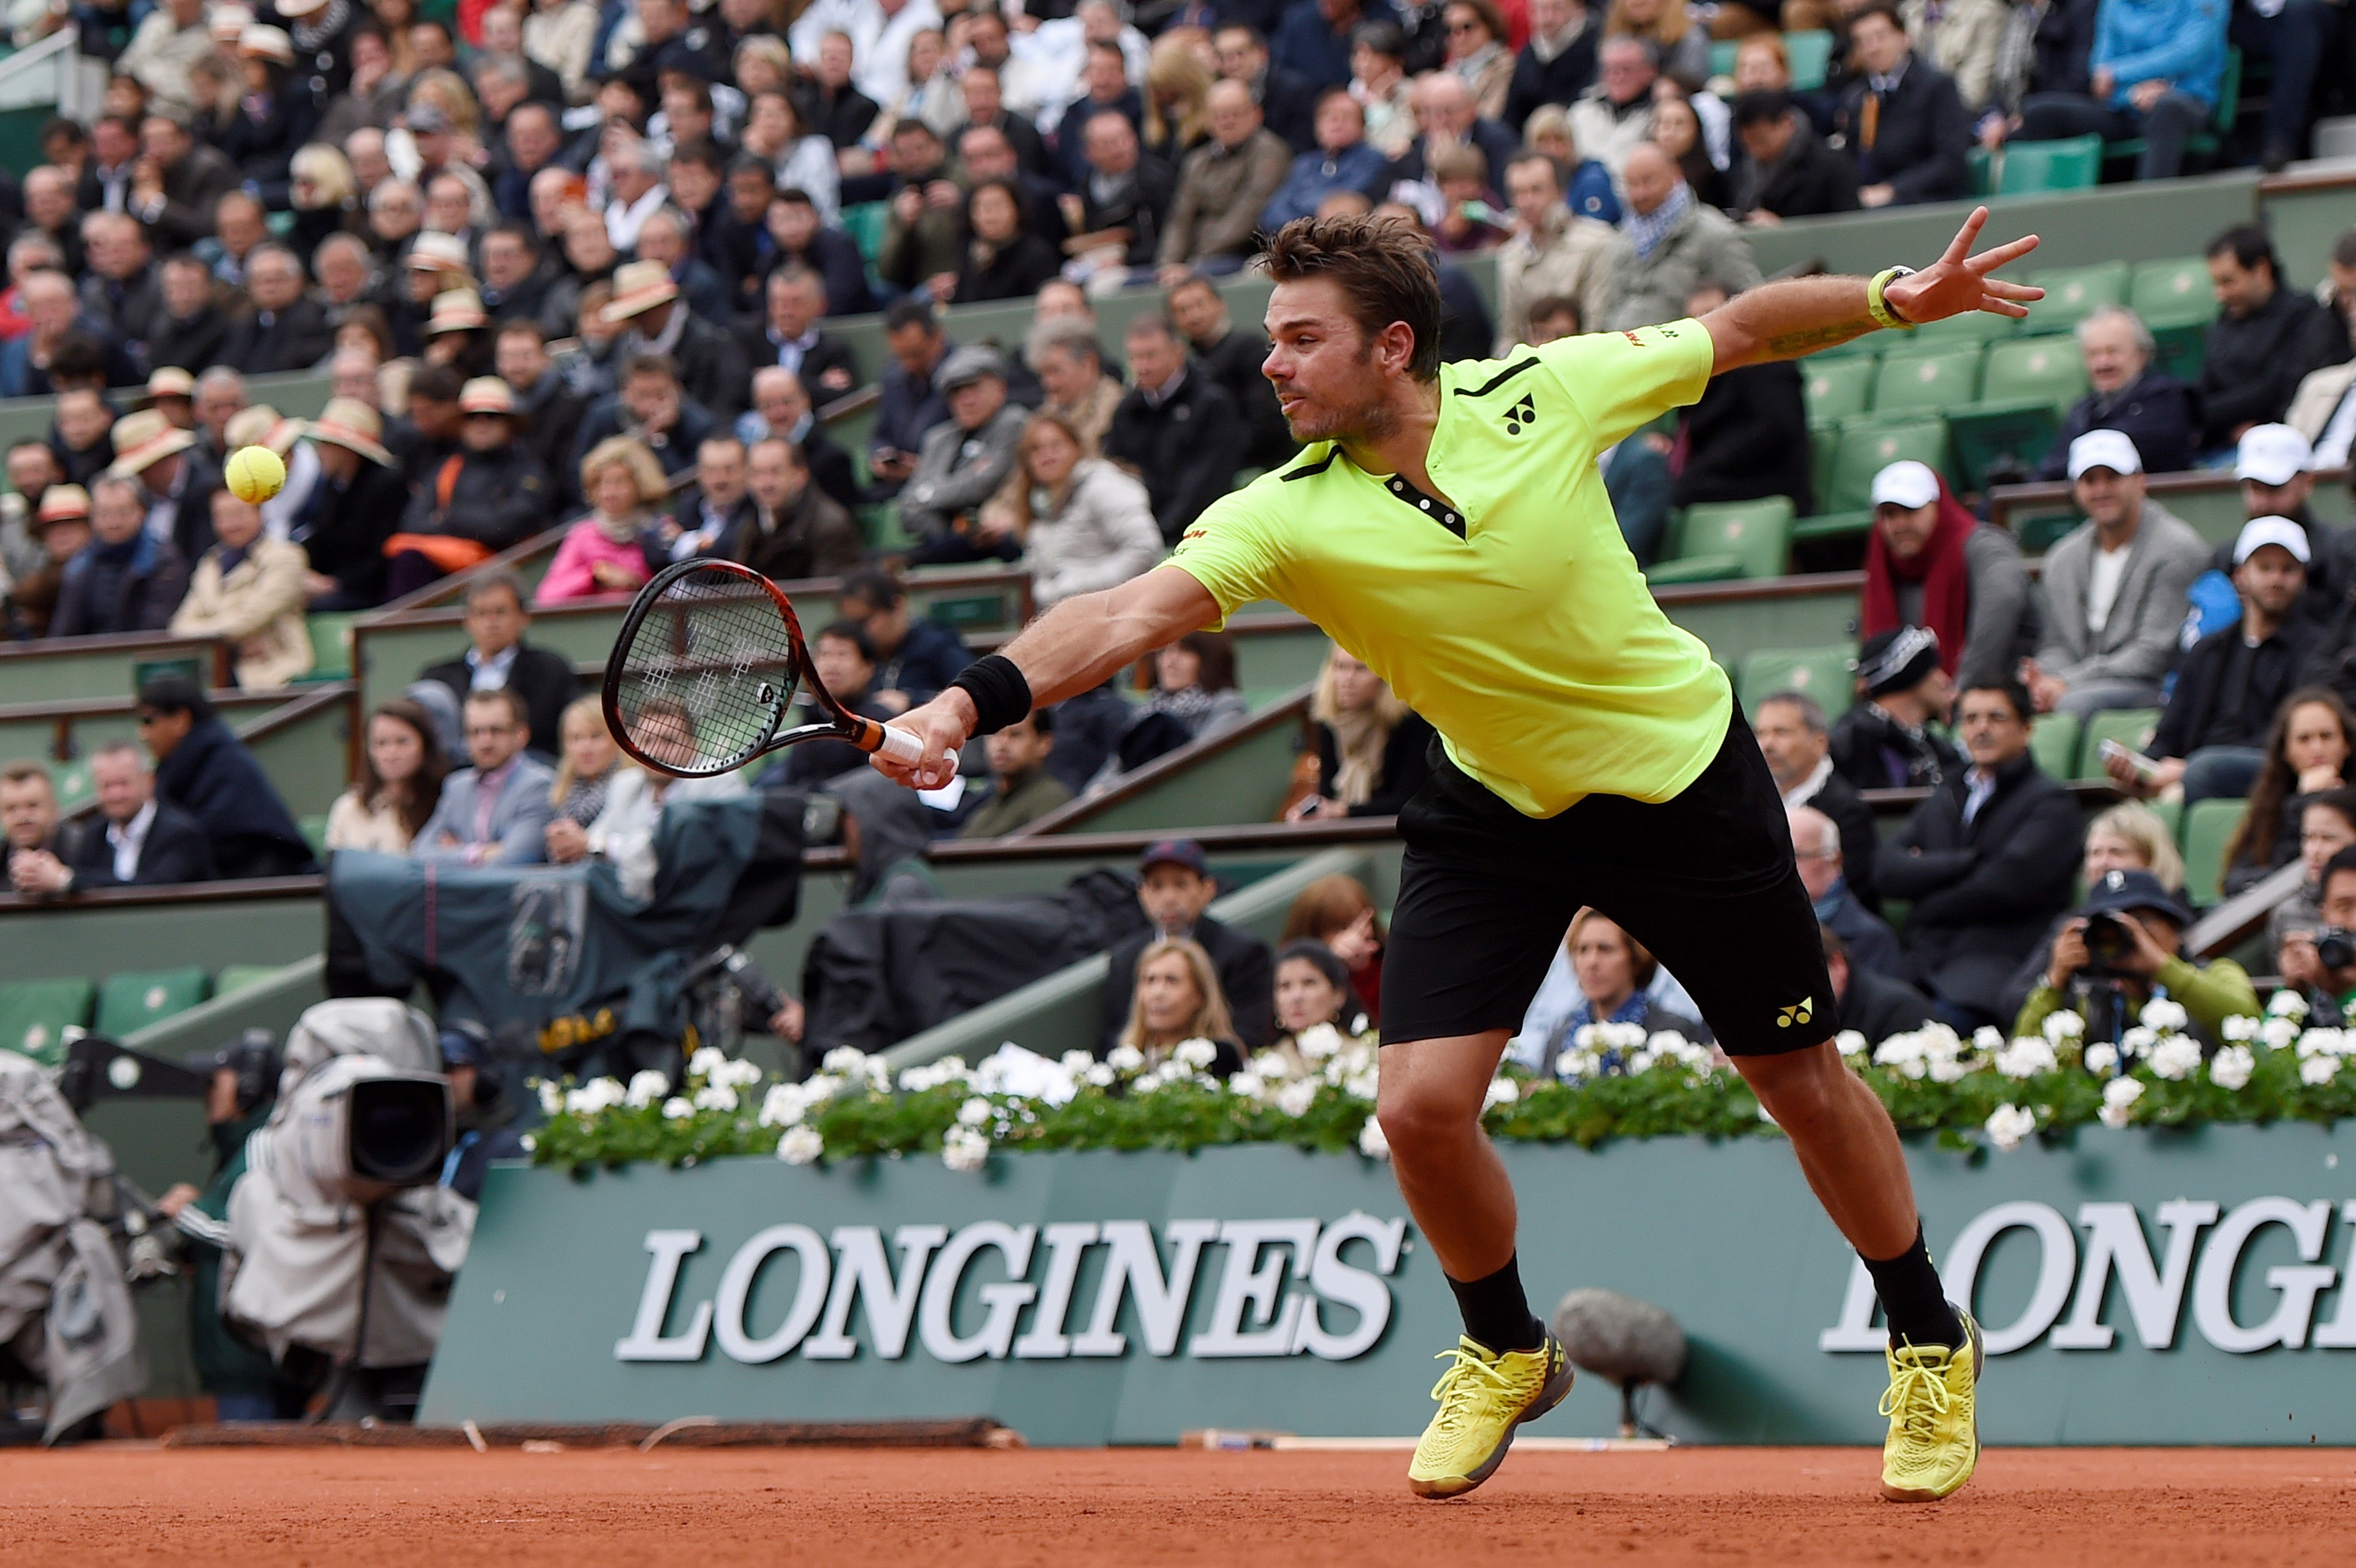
<point x="900" y="745"/>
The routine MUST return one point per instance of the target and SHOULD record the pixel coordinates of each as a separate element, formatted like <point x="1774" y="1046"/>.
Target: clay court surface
<point x="130" y="1505"/>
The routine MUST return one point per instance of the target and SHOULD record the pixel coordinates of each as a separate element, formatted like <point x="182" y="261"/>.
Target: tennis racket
<point x="706" y="667"/>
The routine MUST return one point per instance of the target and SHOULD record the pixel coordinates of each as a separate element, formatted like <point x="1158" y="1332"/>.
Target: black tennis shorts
<point x="1705" y="880"/>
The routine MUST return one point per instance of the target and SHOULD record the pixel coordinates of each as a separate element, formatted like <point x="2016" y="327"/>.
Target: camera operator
<point x="2122" y="949"/>
<point x="244" y="1384"/>
<point x="2324" y="962"/>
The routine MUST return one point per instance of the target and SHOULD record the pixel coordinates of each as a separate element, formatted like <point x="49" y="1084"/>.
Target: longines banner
<point x="2136" y="1287"/>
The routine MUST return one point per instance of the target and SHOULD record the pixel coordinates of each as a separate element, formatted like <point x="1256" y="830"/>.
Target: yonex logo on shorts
<point x="1798" y="1013"/>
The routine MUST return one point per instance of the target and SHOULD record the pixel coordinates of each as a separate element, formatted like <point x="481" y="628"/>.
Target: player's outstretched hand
<point x="944" y="724"/>
<point x="1958" y="283"/>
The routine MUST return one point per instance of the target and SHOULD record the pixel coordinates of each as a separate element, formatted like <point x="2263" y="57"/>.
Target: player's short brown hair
<point x="1384" y="269"/>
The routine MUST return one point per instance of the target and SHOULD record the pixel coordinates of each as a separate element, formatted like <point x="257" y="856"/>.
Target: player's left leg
<point x="1722" y="907"/>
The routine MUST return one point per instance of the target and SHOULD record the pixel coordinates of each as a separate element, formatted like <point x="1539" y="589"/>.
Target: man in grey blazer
<point x="2114" y="588"/>
<point x="495" y="813"/>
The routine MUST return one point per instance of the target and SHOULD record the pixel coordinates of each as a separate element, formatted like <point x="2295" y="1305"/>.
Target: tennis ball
<point x="254" y="473"/>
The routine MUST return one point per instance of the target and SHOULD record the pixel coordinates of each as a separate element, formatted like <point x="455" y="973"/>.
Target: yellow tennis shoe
<point x="1932" y="1406"/>
<point x="1483" y="1396"/>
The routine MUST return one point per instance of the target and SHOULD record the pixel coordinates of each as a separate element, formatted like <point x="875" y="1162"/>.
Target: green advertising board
<point x="2136" y="1286"/>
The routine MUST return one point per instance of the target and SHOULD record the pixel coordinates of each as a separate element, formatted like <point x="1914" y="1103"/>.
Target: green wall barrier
<point x="2136" y="1287"/>
<point x="1241" y="777"/>
<point x="304" y="747"/>
<point x="211" y="927"/>
<point x="97" y="667"/>
<point x="2076" y="228"/>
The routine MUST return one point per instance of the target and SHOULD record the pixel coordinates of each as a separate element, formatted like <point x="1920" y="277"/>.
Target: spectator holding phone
<point x="2326" y="825"/>
<point x="2228" y="687"/>
<point x="2123" y="948"/>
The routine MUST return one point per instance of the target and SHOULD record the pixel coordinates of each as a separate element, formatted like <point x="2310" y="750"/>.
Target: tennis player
<point x="1448" y="525"/>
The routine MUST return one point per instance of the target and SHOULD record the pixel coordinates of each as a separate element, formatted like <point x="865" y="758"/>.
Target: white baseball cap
<point x="2261" y="532"/>
<point x="2104" y="449"/>
<point x="1906" y="484"/>
<point x="2273" y="454"/>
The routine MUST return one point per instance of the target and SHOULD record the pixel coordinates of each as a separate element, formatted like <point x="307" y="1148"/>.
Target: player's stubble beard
<point x="1370" y="419"/>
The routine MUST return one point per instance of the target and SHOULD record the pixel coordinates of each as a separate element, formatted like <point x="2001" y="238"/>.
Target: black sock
<point x="1496" y="1313"/>
<point x="1912" y="1299"/>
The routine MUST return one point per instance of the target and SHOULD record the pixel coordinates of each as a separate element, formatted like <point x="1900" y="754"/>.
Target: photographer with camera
<point x="2122" y="949"/>
<point x="2322" y="962"/>
<point x="244" y="1381"/>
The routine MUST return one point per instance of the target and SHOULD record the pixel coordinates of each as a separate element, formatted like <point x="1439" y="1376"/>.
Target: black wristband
<point x="1000" y="696"/>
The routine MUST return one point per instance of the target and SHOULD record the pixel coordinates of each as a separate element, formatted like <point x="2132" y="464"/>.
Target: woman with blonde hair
<point x="1178" y="999"/>
<point x="1177" y="99"/>
<point x="325" y="198"/>
<point x="447" y="91"/>
<point x="586" y="761"/>
<point x="2129" y="836"/>
<point x="1370" y="747"/>
<point x="601" y="553"/>
<point x="1085" y="524"/>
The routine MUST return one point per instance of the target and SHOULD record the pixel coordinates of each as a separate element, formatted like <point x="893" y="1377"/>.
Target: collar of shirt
<point x="490" y="675"/>
<point x="1886" y="85"/>
<point x="805" y="343"/>
<point x="1156" y="396"/>
<point x="1806" y="790"/>
<point x="1830" y="904"/>
<point x="129" y="839"/>
<point x="1979" y="783"/>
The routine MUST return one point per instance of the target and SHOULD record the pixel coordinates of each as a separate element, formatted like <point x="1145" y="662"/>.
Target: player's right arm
<point x="1072" y="648"/>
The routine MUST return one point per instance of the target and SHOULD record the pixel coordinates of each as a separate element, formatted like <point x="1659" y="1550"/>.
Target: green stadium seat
<point x="2053" y="743"/>
<point x="2169" y="809"/>
<point x="238" y="977"/>
<point x="2073" y="293"/>
<point x="314" y="833"/>
<point x="2208" y="828"/>
<point x="1755" y="534"/>
<point x="2001" y="443"/>
<point x="2173" y="293"/>
<point x="1979" y="179"/>
<point x="1865" y="448"/>
<point x="1974" y="328"/>
<point x="1933" y="381"/>
<point x="866" y="222"/>
<point x="1721" y="57"/>
<point x="1838" y="388"/>
<point x="35" y="1015"/>
<point x="1825" y="674"/>
<point x="331" y="645"/>
<point x="2182" y="350"/>
<point x="1831" y="525"/>
<point x="71" y="783"/>
<point x="2047" y="367"/>
<point x="2074" y="163"/>
<point x="1824" y="445"/>
<point x="1810" y="54"/>
<point x="128" y="1002"/>
<point x="2130" y="727"/>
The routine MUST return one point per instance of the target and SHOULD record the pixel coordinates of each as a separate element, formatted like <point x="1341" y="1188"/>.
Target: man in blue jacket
<point x="2157" y="68"/>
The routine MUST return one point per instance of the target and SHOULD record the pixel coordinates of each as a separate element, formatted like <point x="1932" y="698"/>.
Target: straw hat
<point x="62" y="504"/>
<point x="145" y="439"/>
<point x="639" y="286"/>
<point x="457" y="310"/>
<point x="353" y="425"/>
<point x="264" y="42"/>
<point x="171" y="381"/>
<point x="487" y="395"/>
<point x="263" y="425"/>
<point x="436" y="252"/>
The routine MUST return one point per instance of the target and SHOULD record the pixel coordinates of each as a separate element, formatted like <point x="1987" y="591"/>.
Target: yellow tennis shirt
<point x="1528" y="639"/>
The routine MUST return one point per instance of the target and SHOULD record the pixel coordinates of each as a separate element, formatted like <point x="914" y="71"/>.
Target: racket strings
<point x="706" y="674"/>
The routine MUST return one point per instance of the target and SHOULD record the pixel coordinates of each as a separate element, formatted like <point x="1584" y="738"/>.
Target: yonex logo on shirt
<point x="1520" y="413"/>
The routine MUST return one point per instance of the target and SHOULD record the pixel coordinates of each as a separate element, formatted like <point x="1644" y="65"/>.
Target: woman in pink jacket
<point x="601" y="553"/>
